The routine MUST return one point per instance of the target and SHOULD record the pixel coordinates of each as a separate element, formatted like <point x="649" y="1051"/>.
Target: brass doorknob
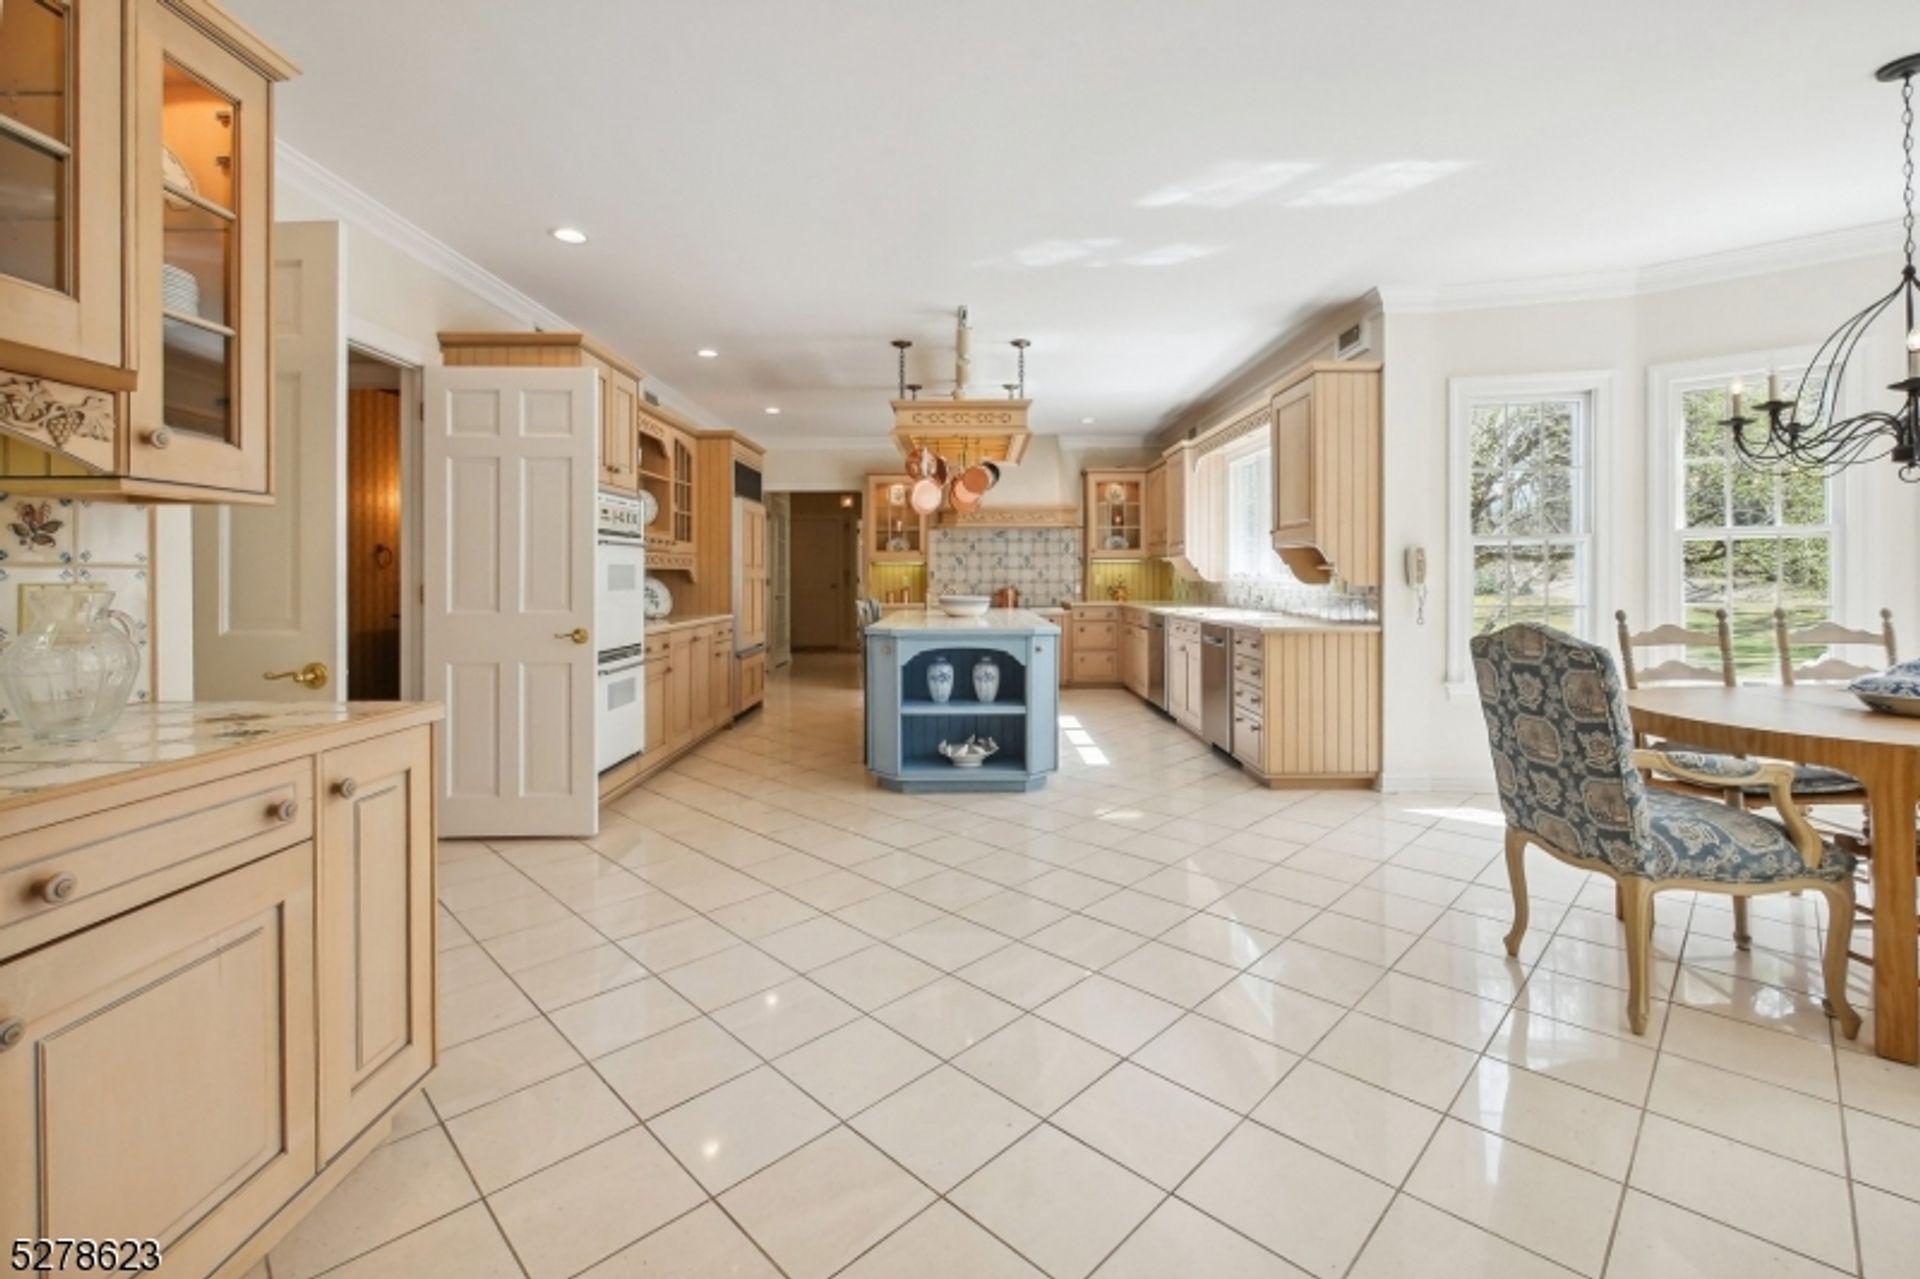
<point x="578" y="635"/>
<point x="312" y="675"/>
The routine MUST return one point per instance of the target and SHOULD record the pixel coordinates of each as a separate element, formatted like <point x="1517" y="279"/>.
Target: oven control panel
<point x="620" y="515"/>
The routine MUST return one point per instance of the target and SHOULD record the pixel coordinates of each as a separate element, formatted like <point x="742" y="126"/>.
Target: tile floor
<point x="1150" y="1022"/>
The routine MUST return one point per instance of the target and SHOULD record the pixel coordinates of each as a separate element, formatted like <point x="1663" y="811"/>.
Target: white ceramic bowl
<point x="964" y="605"/>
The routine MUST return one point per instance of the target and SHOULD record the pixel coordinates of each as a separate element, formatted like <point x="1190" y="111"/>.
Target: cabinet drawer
<point x="70" y="874"/>
<point x="1247" y="731"/>
<point x="1095" y="635"/>
<point x="1248" y="669"/>
<point x="1095" y="668"/>
<point x="1248" y="644"/>
<point x="1248" y="697"/>
<point x="1182" y="629"/>
<point x="1096" y="613"/>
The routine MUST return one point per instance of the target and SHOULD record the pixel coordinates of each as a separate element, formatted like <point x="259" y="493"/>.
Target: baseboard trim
<point x="1475" y="782"/>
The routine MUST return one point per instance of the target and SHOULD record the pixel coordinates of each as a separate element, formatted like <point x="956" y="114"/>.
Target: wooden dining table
<point x="1829" y="726"/>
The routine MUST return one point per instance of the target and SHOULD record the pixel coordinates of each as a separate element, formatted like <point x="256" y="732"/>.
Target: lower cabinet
<point x="374" y="887"/>
<point x="720" y="678"/>
<point x="1134" y="664"/>
<point x="690" y="694"/>
<point x="750" y="682"/>
<point x="219" y="988"/>
<point x="1093" y="648"/>
<point x="679" y="726"/>
<point x="1184" y="690"/>
<point x="700" y="681"/>
<point x="659" y="659"/>
<point x="163" y="1084"/>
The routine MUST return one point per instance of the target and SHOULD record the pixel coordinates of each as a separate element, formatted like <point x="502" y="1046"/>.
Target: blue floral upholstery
<point x="1808" y="779"/>
<point x="1562" y="746"/>
<point x="1698" y="838"/>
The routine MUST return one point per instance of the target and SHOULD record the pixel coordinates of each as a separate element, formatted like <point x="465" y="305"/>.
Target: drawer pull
<point x="12" y="1031"/>
<point x="346" y="788"/>
<point x="58" y="889"/>
<point x="159" y="437"/>
<point x="286" y="810"/>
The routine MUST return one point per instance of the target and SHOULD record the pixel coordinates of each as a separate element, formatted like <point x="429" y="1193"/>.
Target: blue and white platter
<point x="1896" y="691"/>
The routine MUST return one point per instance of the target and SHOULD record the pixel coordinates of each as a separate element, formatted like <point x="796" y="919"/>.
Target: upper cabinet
<point x="1176" y="469"/>
<point x="668" y="466"/>
<point x="1157" y="509"/>
<point x="1116" y="514"/>
<point x="896" y="533"/>
<point x="1327" y="472"/>
<point x="136" y="170"/>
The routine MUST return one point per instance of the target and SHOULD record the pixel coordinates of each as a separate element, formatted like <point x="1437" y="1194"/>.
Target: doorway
<point x="823" y="572"/>
<point x="374" y="541"/>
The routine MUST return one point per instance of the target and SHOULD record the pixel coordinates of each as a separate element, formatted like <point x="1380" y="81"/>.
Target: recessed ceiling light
<point x="773" y="408"/>
<point x="1086" y="421"/>
<point x="707" y="353"/>
<point x="569" y="235"/>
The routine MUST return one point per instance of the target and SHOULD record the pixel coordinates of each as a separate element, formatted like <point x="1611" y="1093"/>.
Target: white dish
<point x="964" y="605"/>
<point x="1117" y="542"/>
<point x="658" y="599"/>
<point x="649" y="508"/>
<point x="1896" y="690"/>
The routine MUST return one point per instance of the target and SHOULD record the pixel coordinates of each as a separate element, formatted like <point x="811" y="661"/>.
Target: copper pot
<point x="1007" y="597"/>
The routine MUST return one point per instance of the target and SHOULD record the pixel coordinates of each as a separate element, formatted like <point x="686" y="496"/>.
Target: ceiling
<point x="1152" y="191"/>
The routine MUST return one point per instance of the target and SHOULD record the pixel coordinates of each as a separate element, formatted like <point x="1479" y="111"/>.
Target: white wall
<point x="1438" y="741"/>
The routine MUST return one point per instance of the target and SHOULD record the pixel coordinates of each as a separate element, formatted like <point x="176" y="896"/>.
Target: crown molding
<point x="1843" y="245"/>
<point x="1107" y="440"/>
<point x="350" y="204"/>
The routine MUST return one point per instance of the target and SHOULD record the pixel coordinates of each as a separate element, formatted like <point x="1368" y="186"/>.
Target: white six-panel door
<point x="510" y="469"/>
<point x="270" y="588"/>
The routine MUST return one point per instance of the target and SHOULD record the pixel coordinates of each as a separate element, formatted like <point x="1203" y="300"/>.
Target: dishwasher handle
<point x="1214" y="640"/>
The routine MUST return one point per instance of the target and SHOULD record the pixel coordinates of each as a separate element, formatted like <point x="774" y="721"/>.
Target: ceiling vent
<point x="1354" y="341"/>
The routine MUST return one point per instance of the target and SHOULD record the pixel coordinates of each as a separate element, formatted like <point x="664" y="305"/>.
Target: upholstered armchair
<point x="1571" y="784"/>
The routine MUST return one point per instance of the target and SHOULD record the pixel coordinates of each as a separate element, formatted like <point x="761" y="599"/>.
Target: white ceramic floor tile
<point x="731" y="1132"/>
<point x="948" y="1016"/>
<point x="1365" y="1127"/>
<point x="1036" y="1063"/>
<point x="1466" y="1020"/>
<point x="1286" y="1018"/>
<point x="579" y="1212"/>
<point x="1155" y="1128"/>
<point x="1884" y="1153"/>
<point x="1118" y="1018"/>
<point x="941" y="1243"/>
<point x="1777" y="1119"/>
<point x="578" y="976"/>
<point x="704" y="1242"/>
<point x="1581" y="1127"/>
<point x="825" y="1204"/>
<point x="464" y="1243"/>
<point x="538" y="1126"/>
<point x="1658" y="1238"/>
<point x="779" y="1020"/>
<point x="1179" y="1240"/>
<point x="487" y="1069"/>
<point x="849" y="1069"/>
<point x="1418" y="1241"/>
<point x="666" y="1069"/>
<point x="1527" y="1198"/>
<point x="398" y="1188"/>
<point x="624" y="1015"/>
<point x="1889" y="1233"/>
<point x="1763" y="1054"/>
<point x="943" y="1126"/>
<point x="726" y="977"/>
<point x="875" y="976"/>
<point x="1022" y="975"/>
<point x="1057" y="1202"/>
<point x="1312" y="1211"/>
<point x="1776" y="1199"/>
<point x="1619" y="1068"/>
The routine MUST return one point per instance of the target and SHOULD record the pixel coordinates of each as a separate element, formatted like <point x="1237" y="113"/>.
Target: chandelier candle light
<point x="1826" y="442"/>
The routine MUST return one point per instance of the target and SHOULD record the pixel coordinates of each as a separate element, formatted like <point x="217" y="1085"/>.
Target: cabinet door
<point x="700" y="660"/>
<point x="1173" y="504"/>
<point x="60" y="152"/>
<point x="619" y="436"/>
<point x="1157" y="509"/>
<point x="752" y="617"/>
<point x="163" y="1086"/>
<point x="720" y="681"/>
<point x="656" y="738"/>
<point x="682" y="491"/>
<point x="375" y="929"/>
<point x="200" y="412"/>
<point x="679" y="691"/>
<point x="1293" y="482"/>
<point x="1176" y="676"/>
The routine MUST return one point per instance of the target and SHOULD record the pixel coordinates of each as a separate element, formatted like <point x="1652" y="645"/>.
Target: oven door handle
<point x="606" y="671"/>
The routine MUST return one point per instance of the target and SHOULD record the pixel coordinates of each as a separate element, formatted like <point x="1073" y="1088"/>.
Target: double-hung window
<point x="1522" y="505"/>
<point x="1249" y="513"/>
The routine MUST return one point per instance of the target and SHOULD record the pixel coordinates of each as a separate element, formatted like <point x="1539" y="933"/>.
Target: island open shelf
<point x="906" y="724"/>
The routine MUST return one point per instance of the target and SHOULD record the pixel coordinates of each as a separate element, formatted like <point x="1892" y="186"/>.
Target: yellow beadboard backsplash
<point x="1143" y="579"/>
<point x="886" y="581"/>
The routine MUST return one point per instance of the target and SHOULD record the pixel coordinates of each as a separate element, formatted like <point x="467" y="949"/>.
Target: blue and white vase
<point x="940" y="679"/>
<point x="986" y="679"/>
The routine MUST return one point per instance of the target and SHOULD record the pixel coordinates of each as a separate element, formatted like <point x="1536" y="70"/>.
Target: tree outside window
<point x="1528" y="517"/>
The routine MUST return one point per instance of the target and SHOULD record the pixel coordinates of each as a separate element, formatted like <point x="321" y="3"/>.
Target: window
<point x="1250" y="516"/>
<point x="1749" y="540"/>
<point x="1522" y="500"/>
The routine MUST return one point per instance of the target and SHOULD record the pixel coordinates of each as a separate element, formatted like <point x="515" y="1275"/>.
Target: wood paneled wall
<point x="1147" y="581"/>
<point x="373" y="545"/>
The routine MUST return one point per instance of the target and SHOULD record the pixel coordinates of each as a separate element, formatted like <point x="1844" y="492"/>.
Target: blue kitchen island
<point x="908" y="718"/>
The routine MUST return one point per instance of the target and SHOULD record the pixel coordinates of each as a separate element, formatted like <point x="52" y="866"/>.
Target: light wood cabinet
<point x="1157" y="509"/>
<point x="1327" y="473"/>
<point x="750" y="615"/>
<point x="1091" y="644"/>
<point x="1174" y="486"/>
<point x="619" y="430"/>
<point x="659" y="661"/>
<point x="895" y="532"/>
<point x="750" y="682"/>
<point x="720" y="677"/>
<point x="374" y="929"/>
<point x="1183" y="673"/>
<point x="1135" y="639"/>
<point x="135" y="356"/>
<point x="1116" y="514"/>
<point x="215" y="989"/>
<point x="666" y="469"/>
<point x="680" y="668"/>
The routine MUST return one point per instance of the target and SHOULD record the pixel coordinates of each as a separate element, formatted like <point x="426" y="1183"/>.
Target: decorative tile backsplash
<point x="1043" y="564"/>
<point x="1286" y="595"/>
<point x="57" y="539"/>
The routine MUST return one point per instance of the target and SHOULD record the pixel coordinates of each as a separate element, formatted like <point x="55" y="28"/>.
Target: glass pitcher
<point x="70" y="670"/>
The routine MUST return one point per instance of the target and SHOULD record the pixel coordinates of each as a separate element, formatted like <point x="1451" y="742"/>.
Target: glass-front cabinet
<point x="1116" y="514"/>
<point x="666" y="471"/>
<point x="136" y="151"/>
<point x="896" y="533"/>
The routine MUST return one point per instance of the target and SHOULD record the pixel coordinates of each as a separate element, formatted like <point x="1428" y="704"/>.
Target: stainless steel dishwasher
<point x="1216" y="686"/>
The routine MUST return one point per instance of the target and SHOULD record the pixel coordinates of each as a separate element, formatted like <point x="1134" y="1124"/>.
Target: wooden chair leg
<point x="1517" y="880"/>
<point x="1839" y="935"/>
<point x="1636" y="901"/>
<point x="1742" y="939"/>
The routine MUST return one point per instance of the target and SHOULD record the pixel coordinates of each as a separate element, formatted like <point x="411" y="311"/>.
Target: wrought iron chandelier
<point x="1827" y="442"/>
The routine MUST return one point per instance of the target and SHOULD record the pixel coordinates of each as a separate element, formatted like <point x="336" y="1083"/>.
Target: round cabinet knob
<point x="159" y="437"/>
<point x="286" y="810"/>
<point x="59" y="889"/>
<point x="12" y="1031"/>
<point x="346" y="788"/>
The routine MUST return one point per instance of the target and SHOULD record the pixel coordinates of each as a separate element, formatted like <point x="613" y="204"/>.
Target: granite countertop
<point x="664" y="624"/>
<point x="160" y="734"/>
<point x="921" y="621"/>
<point x="1250" y="619"/>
